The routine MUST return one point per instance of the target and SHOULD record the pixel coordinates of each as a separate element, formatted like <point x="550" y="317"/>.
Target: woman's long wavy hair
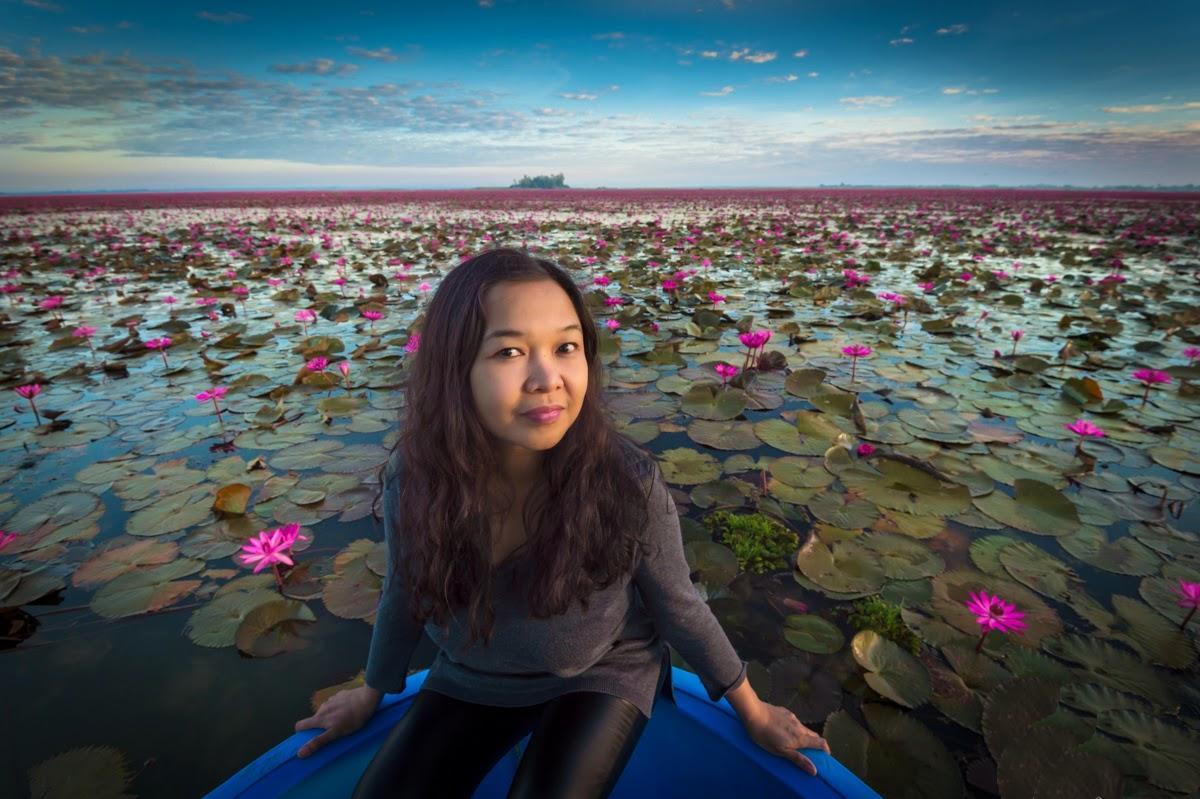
<point x="583" y="525"/>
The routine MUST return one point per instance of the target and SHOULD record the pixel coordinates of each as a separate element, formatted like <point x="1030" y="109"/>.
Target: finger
<point x="304" y="724"/>
<point x="314" y="744"/>
<point x="804" y="763"/>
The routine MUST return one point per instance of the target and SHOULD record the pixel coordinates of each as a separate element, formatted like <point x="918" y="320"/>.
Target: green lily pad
<point x="813" y="634"/>
<point x="891" y="671"/>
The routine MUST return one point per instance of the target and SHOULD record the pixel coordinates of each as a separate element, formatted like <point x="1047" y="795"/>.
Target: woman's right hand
<point x="340" y="714"/>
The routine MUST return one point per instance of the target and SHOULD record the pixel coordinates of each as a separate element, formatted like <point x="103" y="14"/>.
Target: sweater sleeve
<point x="395" y="635"/>
<point x="680" y="614"/>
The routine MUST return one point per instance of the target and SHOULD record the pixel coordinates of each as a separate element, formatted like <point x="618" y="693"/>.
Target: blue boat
<point x="692" y="747"/>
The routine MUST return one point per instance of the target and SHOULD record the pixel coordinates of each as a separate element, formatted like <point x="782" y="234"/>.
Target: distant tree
<point x="540" y="182"/>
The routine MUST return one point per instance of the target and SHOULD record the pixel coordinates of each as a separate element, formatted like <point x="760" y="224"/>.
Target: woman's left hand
<point x="778" y="731"/>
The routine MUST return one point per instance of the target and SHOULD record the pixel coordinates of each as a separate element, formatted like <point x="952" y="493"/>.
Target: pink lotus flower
<point x="1189" y="597"/>
<point x="601" y="280"/>
<point x="29" y="391"/>
<point x="714" y="297"/>
<point x="926" y="287"/>
<point x="270" y="548"/>
<point x="317" y="364"/>
<point x="214" y="395"/>
<point x="1150" y="377"/>
<point x="612" y="324"/>
<point x="161" y="345"/>
<point x="1017" y="335"/>
<point x="726" y="371"/>
<point x="413" y="343"/>
<point x="864" y="449"/>
<point x="856" y="351"/>
<point x="1192" y="354"/>
<point x="6" y="538"/>
<point x="752" y="341"/>
<point x="993" y="613"/>
<point x="1084" y="429"/>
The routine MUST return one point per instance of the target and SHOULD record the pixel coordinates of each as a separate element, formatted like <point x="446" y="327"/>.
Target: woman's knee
<point x="579" y="748"/>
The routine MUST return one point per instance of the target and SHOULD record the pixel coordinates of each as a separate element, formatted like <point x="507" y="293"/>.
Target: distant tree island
<point x="540" y="182"/>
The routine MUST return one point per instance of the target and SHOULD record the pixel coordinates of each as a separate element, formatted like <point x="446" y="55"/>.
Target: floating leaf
<point x="891" y="671"/>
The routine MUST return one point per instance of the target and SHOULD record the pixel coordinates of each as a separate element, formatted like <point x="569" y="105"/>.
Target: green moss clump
<point x="875" y="613"/>
<point x="760" y="543"/>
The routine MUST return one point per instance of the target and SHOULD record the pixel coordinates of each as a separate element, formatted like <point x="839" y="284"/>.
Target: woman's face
<point x="536" y="363"/>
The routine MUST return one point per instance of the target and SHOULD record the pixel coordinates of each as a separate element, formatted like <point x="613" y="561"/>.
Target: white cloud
<point x="1149" y="109"/>
<point x="578" y="95"/>
<point x="757" y="58"/>
<point x="724" y="90"/>
<point x="952" y="30"/>
<point x="953" y="90"/>
<point x="613" y="35"/>
<point x="800" y="53"/>
<point x="813" y="74"/>
<point x="900" y="42"/>
<point x="881" y="101"/>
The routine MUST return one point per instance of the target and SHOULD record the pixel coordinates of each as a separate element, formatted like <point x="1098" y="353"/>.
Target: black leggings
<point x="444" y="747"/>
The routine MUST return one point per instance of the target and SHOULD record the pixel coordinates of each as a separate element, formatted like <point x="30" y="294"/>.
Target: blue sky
<point x="461" y="93"/>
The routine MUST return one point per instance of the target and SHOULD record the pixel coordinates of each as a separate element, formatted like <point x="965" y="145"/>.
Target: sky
<point x="654" y="93"/>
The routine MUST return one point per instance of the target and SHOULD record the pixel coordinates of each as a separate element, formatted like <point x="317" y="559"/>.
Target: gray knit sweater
<point x="616" y="647"/>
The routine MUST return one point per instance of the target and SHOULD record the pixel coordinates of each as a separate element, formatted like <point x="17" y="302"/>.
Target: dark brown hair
<point x="583" y="525"/>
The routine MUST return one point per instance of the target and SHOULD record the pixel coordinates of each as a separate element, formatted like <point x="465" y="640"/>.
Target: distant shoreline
<point x="1185" y="188"/>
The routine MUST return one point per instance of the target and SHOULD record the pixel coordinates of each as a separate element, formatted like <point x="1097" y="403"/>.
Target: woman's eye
<point x="506" y="349"/>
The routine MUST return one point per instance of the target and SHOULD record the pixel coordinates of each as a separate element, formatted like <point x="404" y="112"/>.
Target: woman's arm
<point x="680" y="614"/>
<point x="395" y="635"/>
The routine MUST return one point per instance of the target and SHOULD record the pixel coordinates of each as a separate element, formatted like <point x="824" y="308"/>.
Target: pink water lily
<point x="161" y="345"/>
<point x="865" y="449"/>
<point x="214" y="394"/>
<point x="1192" y="354"/>
<point x="994" y="613"/>
<point x="1084" y="429"/>
<point x="926" y="287"/>
<point x="270" y="548"/>
<point x="1150" y="377"/>
<point x="1017" y="335"/>
<point x="317" y="364"/>
<point x="29" y="391"/>
<point x="372" y="315"/>
<point x="856" y="351"/>
<point x="726" y="371"/>
<point x="304" y="316"/>
<point x="6" y="538"/>
<point x="85" y="332"/>
<point x="753" y="341"/>
<point x="1189" y="597"/>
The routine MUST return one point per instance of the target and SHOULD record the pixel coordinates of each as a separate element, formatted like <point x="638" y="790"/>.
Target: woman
<point x="542" y="554"/>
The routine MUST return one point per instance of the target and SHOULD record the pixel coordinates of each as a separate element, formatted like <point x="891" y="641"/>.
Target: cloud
<point x="578" y="95"/>
<point x="869" y="100"/>
<point x="965" y="90"/>
<point x="486" y="3"/>
<point x="43" y="5"/>
<point x="788" y="78"/>
<point x="86" y="30"/>
<point x="710" y="54"/>
<point x="724" y="90"/>
<point x="385" y="53"/>
<point x="813" y="74"/>
<point x="800" y="53"/>
<point x="226" y="18"/>
<point x="757" y="58"/>
<point x="318" y="66"/>
<point x="952" y="30"/>
<point x="614" y="35"/>
<point x="1149" y="109"/>
<point x="900" y="42"/>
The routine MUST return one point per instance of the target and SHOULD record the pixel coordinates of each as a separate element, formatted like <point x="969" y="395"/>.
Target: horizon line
<point x="196" y="190"/>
